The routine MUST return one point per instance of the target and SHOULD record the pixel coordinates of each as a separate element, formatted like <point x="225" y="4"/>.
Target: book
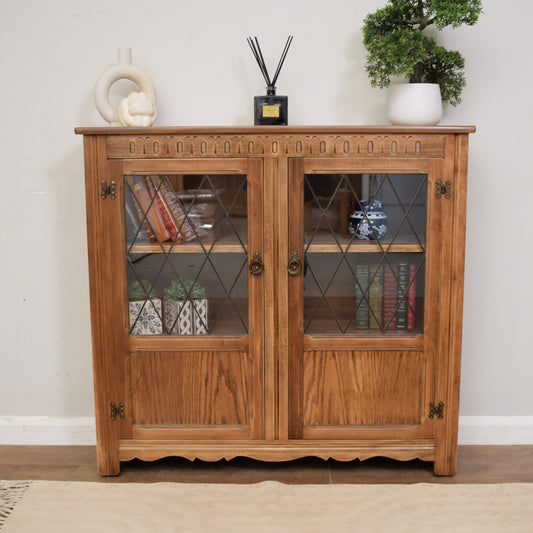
<point x="361" y="296"/>
<point x="411" y="298"/>
<point x="403" y="285"/>
<point x="177" y="211"/>
<point x="147" y="204"/>
<point x="375" y="299"/>
<point x="137" y="228"/>
<point x="390" y="296"/>
<point x="154" y="184"/>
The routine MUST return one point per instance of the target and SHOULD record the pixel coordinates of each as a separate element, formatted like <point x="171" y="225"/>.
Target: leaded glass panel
<point x="364" y="253"/>
<point x="186" y="241"/>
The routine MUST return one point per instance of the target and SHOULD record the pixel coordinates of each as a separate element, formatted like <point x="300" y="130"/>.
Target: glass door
<point x="193" y="267"/>
<point x="362" y="355"/>
<point x="187" y="254"/>
<point x="364" y="253"/>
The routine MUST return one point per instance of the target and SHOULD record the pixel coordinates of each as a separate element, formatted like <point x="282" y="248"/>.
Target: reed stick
<point x="282" y="59"/>
<point x="258" y="54"/>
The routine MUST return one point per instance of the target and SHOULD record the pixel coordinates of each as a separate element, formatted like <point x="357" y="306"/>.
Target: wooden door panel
<point x="350" y="381"/>
<point x="194" y="392"/>
<point x="196" y="386"/>
<point x="363" y="388"/>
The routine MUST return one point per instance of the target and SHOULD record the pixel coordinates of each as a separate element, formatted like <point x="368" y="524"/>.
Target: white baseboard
<point x="42" y="430"/>
<point x="496" y="430"/>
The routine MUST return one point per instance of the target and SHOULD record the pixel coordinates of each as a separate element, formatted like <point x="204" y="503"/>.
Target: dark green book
<point x="361" y="296"/>
<point x="375" y="299"/>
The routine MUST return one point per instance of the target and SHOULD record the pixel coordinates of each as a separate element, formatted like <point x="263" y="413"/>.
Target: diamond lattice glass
<point x="364" y="253"/>
<point x="186" y="243"/>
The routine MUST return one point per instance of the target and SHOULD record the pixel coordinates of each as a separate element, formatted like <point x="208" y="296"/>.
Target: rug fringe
<point x="11" y="493"/>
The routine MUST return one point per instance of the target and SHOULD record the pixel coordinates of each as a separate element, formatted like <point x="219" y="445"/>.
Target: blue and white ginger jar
<point x="368" y="222"/>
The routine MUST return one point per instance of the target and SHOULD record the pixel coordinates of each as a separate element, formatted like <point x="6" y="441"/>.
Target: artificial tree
<point x="185" y="307"/>
<point x="185" y="289"/>
<point x="399" y="45"/>
<point x="140" y="290"/>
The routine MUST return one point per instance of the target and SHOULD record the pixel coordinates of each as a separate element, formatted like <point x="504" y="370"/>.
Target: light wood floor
<point x="477" y="464"/>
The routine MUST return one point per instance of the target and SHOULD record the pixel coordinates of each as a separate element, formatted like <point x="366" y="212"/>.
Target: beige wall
<point x="51" y="54"/>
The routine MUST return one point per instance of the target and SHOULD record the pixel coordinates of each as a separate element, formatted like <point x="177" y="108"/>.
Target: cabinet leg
<point x="445" y="466"/>
<point x="108" y="463"/>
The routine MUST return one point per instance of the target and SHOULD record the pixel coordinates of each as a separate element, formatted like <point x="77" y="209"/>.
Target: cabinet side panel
<point x="360" y="388"/>
<point x="196" y="388"/>
<point x="452" y="307"/>
<point x="109" y="329"/>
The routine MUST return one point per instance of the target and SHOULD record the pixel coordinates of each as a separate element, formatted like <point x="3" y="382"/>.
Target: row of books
<point x="154" y="213"/>
<point x="385" y="296"/>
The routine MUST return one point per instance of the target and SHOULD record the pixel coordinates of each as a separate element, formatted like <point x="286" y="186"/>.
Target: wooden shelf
<point x="321" y="322"/>
<point x="324" y="243"/>
<point x="224" y="318"/>
<point x="227" y="243"/>
<point x="188" y="248"/>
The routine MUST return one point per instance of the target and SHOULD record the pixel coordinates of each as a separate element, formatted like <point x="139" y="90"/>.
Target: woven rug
<point x="78" y="507"/>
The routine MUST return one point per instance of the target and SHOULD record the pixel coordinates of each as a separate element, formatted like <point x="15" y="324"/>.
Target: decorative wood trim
<point x="172" y="146"/>
<point x="169" y="344"/>
<point x="336" y="342"/>
<point x="151" y="450"/>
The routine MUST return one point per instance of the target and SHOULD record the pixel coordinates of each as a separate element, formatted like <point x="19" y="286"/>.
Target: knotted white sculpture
<point x="138" y="108"/>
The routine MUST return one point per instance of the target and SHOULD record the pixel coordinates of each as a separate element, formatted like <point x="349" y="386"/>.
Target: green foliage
<point x="397" y="44"/>
<point x="140" y="290"/>
<point x="185" y="289"/>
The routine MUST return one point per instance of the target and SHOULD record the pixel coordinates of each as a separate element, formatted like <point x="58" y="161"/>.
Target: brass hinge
<point x="115" y="411"/>
<point x="108" y="190"/>
<point x="443" y="188"/>
<point x="437" y="410"/>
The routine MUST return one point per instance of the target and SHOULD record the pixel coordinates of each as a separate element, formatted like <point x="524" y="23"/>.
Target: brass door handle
<point x="295" y="264"/>
<point x="256" y="265"/>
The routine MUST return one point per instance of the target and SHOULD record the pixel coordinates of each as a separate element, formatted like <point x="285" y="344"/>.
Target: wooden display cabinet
<point x="318" y="335"/>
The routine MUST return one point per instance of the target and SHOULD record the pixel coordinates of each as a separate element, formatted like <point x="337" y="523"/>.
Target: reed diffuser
<point x="270" y="109"/>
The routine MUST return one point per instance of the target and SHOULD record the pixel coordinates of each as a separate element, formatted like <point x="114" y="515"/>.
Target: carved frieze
<point x="291" y="145"/>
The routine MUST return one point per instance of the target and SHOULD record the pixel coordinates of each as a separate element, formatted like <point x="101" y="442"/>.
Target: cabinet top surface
<point x="274" y="130"/>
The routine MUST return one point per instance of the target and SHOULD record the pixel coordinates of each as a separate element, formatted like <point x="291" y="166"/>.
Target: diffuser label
<point x="271" y="111"/>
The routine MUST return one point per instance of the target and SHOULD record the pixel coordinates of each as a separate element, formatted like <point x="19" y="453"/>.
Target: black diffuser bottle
<point x="271" y="109"/>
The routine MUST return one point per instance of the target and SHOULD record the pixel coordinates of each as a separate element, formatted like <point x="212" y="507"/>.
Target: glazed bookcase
<point x="315" y="335"/>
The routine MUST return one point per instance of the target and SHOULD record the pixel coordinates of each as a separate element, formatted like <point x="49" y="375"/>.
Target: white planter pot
<point x="185" y="317"/>
<point x="145" y="317"/>
<point x="177" y="317"/>
<point x="200" y="308"/>
<point x="415" y="104"/>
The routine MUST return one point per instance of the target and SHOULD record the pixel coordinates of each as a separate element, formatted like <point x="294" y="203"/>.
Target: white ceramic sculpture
<point x="138" y="108"/>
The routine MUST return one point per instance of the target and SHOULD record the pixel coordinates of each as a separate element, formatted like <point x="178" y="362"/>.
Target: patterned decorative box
<point x="185" y="317"/>
<point x="200" y="309"/>
<point x="145" y="317"/>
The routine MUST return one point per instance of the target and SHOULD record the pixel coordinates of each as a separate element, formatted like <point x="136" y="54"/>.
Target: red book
<point x="144" y="198"/>
<point x="390" y="296"/>
<point x="177" y="211"/>
<point x="154" y="185"/>
<point x="411" y="298"/>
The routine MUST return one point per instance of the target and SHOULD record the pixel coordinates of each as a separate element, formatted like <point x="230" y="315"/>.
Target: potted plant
<point x="398" y="45"/>
<point x="185" y="308"/>
<point x="144" y="309"/>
